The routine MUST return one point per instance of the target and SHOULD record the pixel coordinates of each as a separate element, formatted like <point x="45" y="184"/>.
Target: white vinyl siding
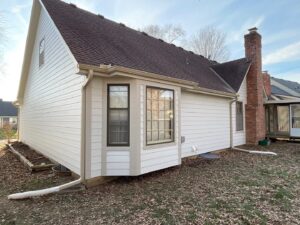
<point x="50" y="114"/>
<point x="117" y="163"/>
<point x="239" y="137"/>
<point x="204" y="123"/>
<point x="94" y="126"/>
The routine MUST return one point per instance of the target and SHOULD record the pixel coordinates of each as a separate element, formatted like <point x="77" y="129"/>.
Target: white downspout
<point x="231" y="136"/>
<point x="30" y="194"/>
<point x="230" y="114"/>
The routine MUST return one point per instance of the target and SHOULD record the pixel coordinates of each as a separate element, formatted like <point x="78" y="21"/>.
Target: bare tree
<point x="211" y="43"/>
<point x="169" y="33"/>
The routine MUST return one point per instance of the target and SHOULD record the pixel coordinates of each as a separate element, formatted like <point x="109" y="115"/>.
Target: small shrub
<point x="8" y="132"/>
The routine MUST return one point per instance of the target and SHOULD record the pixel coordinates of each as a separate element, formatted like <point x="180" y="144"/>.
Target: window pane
<point x="160" y="114"/>
<point x="155" y="94"/>
<point x="161" y="124"/>
<point x="148" y="135"/>
<point x="118" y="96"/>
<point x="155" y="136"/>
<point x="154" y="105"/>
<point x="148" y="93"/>
<point x="296" y="116"/>
<point x="239" y="116"/>
<point x="283" y="118"/>
<point x="154" y="125"/>
<point x="118" y="127"/>
<point x="161" y="135"/>
<point x="167" y="134"/>
<point x="118" y="115"/>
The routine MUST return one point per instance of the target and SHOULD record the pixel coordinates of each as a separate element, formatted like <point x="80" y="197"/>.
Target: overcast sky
<point x="277" y="21"/>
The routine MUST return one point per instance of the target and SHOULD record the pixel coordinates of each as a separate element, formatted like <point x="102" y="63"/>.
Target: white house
<point x="8" y="114"/>
<point x="103" y="99"/>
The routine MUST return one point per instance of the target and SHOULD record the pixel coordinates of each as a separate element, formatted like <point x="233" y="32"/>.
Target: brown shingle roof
<point x="233" y="72"/>
<point x="95" y="40"/>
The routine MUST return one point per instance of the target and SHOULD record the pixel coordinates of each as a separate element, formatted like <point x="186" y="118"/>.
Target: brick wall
<point x="255" y="113"/>
<point x="267" y="82"/>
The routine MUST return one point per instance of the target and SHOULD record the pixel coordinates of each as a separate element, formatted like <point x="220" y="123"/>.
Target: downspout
<point x="230" y="114"/>
<point x="231" y="136"/>
<point x="30" y="194"/>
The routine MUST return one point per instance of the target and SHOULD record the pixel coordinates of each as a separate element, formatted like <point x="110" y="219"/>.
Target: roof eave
<point x="110" y="71"/>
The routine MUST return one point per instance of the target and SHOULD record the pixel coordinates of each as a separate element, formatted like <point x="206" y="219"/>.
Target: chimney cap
<point x="253" y="30"/>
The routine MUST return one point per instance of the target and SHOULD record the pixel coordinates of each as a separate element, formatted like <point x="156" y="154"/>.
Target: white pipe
<point x="230" y="120"/>
<point x="255" y="152"/>
<point x="30" y="194"/>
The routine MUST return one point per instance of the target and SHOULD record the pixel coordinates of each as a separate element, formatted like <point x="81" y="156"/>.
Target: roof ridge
<point x="231" y="61"/>
<point x="128" y="47"/>
<point x="143" y="32"/>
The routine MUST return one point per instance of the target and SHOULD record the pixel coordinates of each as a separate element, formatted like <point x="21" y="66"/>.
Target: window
<point x="42" y="52"/>
<point x="283" y="118"/>
<point x="295" y="116"/>
<point x="118" y="115"/>
<point x="160" y="116"/>
<point x="239" y="116"/>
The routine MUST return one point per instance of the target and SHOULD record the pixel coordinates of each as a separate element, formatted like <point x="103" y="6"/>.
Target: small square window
<point x="42" y="52"/>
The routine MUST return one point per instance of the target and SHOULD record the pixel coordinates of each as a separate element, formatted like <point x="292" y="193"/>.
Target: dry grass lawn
<point x="237" y="189"/>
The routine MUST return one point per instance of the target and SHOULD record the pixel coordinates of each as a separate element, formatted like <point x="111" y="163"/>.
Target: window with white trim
<point x="118" y="115"/>
<point x="239" y="116"/>
<point x="159" y="116"/>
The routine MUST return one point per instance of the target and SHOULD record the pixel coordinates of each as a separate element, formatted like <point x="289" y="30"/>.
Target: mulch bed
<point x="30" y="154"/>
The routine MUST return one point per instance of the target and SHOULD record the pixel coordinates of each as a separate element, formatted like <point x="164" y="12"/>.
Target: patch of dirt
<point x="239" y="188"/>
<point x="33" y="156"/>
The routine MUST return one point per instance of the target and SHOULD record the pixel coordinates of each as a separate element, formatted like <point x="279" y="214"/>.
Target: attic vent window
<point x="42" y="52"/>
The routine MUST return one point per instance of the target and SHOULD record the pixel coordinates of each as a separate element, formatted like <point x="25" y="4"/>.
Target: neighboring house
<point x="103" y="99"/>
<point x="284" y="89"/>
<point x="282" y="108"/>
<point x="8" y="114"/>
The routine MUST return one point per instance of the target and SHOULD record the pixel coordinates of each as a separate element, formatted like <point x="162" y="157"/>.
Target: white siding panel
<point x="51" y="109"/>
<point x="239" y="137"/>
<point x="204" y="123"/>
<point x="96" y="126"/>
<point x="118" y="163"/>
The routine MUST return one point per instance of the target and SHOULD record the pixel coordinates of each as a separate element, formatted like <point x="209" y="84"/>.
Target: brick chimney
<point x="267" y="82"/>
<point x="255" y="113"/>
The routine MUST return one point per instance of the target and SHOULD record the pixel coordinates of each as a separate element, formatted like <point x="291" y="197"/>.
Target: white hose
<point x="30" y="194"/>
<point x="255" y="152"/>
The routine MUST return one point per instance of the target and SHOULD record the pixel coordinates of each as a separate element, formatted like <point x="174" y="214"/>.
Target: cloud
<point x="286" y="54"/>
<point x="291" y="75"/>
<point x="89" y="5"/>
<point x="13" y="63"/>
<point x="238" y="34"/>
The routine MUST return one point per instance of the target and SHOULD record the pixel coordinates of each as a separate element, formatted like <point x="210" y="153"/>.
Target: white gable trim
<point x="34" y="19"/>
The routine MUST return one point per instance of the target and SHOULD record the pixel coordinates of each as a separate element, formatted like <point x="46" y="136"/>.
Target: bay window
<point x="159" y="116"/>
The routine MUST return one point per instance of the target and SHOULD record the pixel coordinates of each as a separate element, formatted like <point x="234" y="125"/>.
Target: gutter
<point x="110" y="71"/>
<point x="30" y="194"/>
